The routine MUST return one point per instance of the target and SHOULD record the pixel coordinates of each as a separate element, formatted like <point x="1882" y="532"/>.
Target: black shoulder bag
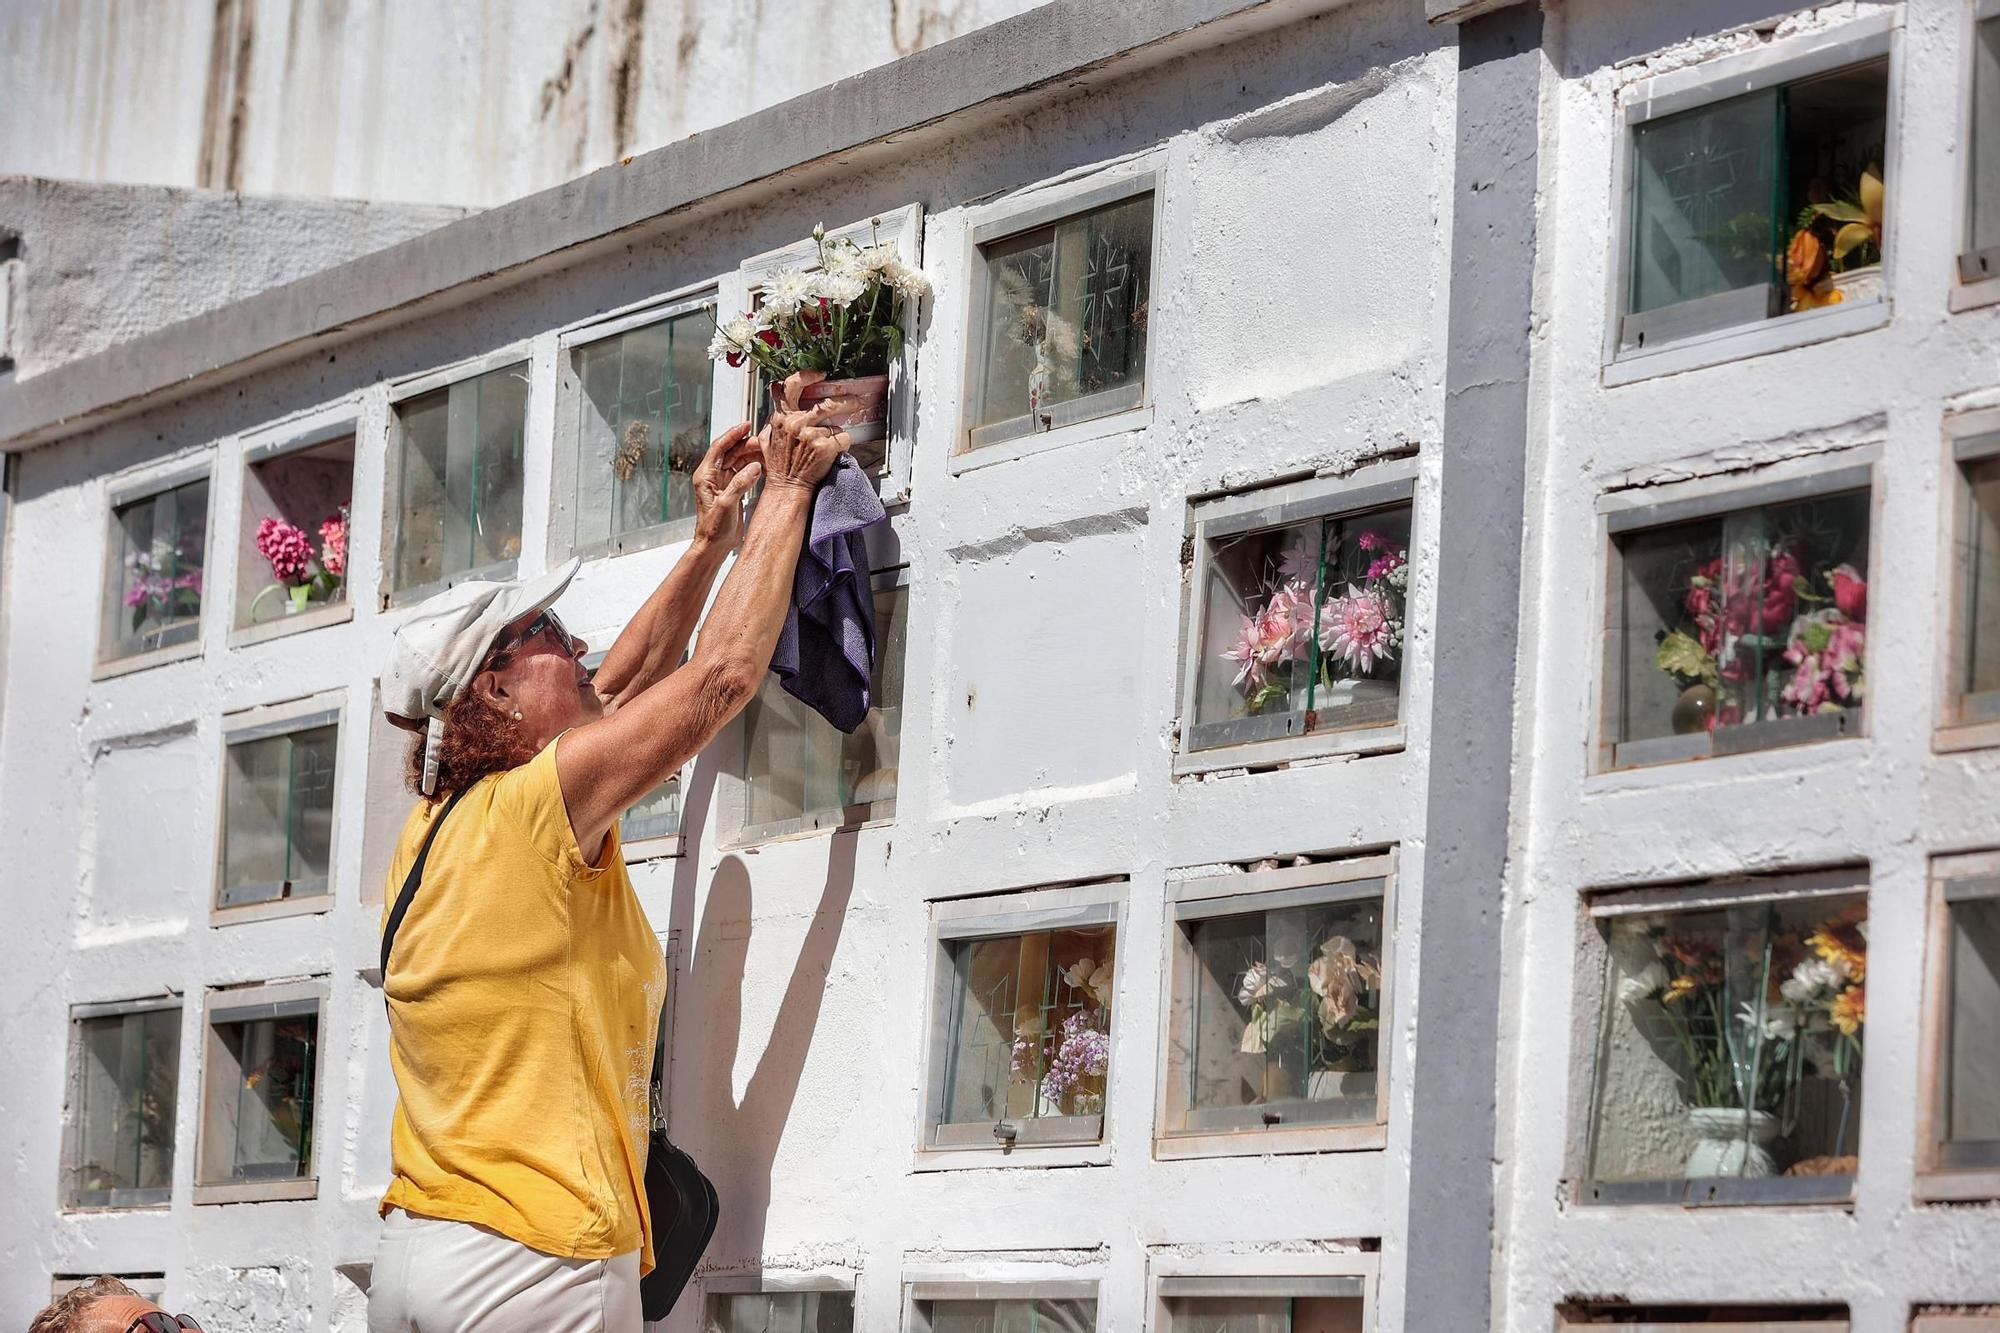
<point x="679" y="1198"/>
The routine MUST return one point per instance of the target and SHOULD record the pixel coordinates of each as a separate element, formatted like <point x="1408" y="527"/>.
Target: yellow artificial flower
<point x="1679" y="988"/>
<point x="1850" y="1009"/>
<point x="1828" y="943"/>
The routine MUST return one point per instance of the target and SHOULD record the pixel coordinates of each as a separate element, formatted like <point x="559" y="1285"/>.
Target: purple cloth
<point x="826" y="652"/>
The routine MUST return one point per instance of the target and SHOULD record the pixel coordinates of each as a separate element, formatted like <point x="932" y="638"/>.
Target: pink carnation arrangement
<point x="286" y="547"/>
<point x="305" y="575"/>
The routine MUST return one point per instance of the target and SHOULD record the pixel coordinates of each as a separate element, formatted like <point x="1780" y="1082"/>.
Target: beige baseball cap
<point x="438" y="650"/>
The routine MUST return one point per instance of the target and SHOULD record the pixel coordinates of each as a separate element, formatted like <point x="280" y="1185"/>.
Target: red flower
<point x="1760" y="599"/>
<point x="1850" y="593"/>
<point x="769" y="337"/>
<point x="734" y="359"/>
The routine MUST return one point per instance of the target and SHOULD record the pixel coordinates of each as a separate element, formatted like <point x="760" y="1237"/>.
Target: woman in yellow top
<point x="525" y="984"/>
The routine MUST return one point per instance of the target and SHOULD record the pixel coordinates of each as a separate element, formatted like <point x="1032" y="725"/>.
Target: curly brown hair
<point x="66" y="1311"/>
<point x="478" y="739"/>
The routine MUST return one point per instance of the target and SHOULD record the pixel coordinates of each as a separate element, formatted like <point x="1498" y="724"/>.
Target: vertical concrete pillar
<point x="1450" y="1257"/>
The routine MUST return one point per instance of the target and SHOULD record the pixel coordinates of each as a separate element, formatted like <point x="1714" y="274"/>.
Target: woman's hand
<point x="798" y="451"/>
<point x="725" y="475"/>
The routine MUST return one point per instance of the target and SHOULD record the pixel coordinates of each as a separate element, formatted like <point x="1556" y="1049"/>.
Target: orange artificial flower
<point x="1850" y="1009"/>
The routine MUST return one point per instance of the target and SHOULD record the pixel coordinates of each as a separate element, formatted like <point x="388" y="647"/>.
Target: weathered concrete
<point x="923" y="101"/>
<point x="1474" y="723"/>
<point x="465" y="103"/>
<point x="103" y="265"/>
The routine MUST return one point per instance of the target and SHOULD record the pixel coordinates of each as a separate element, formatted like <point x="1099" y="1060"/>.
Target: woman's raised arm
<point x="606" y="765"/>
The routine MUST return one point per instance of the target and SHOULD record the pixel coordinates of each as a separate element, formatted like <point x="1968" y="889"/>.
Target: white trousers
<point x="433" y="1276"/>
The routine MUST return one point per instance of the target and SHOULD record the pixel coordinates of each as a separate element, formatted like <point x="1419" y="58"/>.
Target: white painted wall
<point x="467" y="102"/>
<point x="1886" y="799"/>
<point x="801" y="1010"/>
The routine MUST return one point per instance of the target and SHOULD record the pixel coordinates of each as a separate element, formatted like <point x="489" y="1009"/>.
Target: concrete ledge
<point x="1055" y="46"/>
<point x="1458" y="11"/>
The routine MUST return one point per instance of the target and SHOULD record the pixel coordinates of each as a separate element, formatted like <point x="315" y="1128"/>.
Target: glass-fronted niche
<point x="1729" y="1056"/>
<point x="1960" y="1157"/>
<point x="1329" y="1304"/>
<point x="1297" y="630"/>
<point x="1973" y="693"/>
<point x="1714" y="1318"/>
<point x="154" y="571"/>
<point x="1980" y="257"/>
<point x="1061" y="315"/>
<point x="124" y="1079"/>
<point x="641" y="418"/>
<point x="1022" y="1019"/>
<point x="1757" y="206"/>
<point x="457" y="479"/>
<point x="780" y="1312"/>
<point x="291" y="547"/>
<point x="1003" y="1307"/>
<point x="260" y="1094"/>
<point x="1277" y="986"/>
<point x="1738" y="622"/>
<point x="799" y="771"/>
<point x="278" y="785"/>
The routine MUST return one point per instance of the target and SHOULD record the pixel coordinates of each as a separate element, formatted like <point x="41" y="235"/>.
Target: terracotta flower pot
<point x="863" y="405"/>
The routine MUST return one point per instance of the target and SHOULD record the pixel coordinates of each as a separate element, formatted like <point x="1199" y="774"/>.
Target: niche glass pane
<point x="272" y="1111"/>
<point x="1302" y="628"/>
<point x="127" y="1079"/>
<point x="1759" y="205"/>
<point x="1030" y="1028"/>
<point x="1980" y="671"/>
<point x="1731" y="1044"/>
<point x="1267" y="1314"/>
<point x="1758" y="615"/>
<point x="292" y="551"/>
<point x="158" y="546"/>
<point x="459" y="500"/>
<point x="655" y="815"/>
<point x="641" y="427"/>
<point x="1984" y="224"/>
<point x="1023" y="1316"/>
<point x="1969" y="1130"/>
<point x="1284" y="1022"/>
<point x="800" y="772"/>
<point x="782" y="1312"/>
<point x="1066" y="316"/>
<point x="277" y="829"/>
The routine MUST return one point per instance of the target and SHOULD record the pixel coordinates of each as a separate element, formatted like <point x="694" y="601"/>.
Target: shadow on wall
<point x="736" y="1139"/>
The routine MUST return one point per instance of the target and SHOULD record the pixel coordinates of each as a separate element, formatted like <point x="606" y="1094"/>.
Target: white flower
<point x="1780" y="1024"/>
<point x="1643" y="984"/>
<point x="837" y="288"/>
<point x="788" y="289"/>
<point x="731" y="337"/>
<point x="1808" y="979"/>
<point x="1087" y="974"/>
<point x="1258" y="984"/>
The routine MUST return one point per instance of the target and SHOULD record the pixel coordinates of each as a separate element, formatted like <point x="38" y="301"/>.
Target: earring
<point x="517" y="715"/>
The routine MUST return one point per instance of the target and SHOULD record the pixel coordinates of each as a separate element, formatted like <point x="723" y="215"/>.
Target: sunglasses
<point x="508" y="643"/>
<point x="163" y="1323"/>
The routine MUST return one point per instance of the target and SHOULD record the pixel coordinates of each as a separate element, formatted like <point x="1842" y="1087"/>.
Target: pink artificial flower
<point x="1386" y="563"/>
<point x="286" y="547"/>
<point x="333" y="544"/>
<point x="1359" y="628"/>
<point x="1272" y="636"/>
<point x="1850" y="593"/>
<point x="1372" y="541"/>
<point x="1825" y="654"/>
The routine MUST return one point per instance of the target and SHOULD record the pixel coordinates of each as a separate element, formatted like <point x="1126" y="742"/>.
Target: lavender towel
<point x="826" y="651"/>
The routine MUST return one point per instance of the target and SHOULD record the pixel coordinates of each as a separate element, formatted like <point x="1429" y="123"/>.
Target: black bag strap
<point x="409" y="893"/>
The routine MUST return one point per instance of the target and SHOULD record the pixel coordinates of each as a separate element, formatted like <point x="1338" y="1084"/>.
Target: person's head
<point x="105" y="1305"/>
<point x="488" y="676"/>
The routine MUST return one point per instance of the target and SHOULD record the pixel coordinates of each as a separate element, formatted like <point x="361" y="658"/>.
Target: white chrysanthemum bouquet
<point x="840" y="320"/>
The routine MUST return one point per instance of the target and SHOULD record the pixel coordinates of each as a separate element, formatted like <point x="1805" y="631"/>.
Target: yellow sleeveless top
<point x="524" y="996"/>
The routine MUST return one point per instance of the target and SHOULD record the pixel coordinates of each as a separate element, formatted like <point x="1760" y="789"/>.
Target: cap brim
<point x="535" y="595"/>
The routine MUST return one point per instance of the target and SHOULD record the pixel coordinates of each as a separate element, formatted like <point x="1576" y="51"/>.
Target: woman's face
<point x="542" y="679"/>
